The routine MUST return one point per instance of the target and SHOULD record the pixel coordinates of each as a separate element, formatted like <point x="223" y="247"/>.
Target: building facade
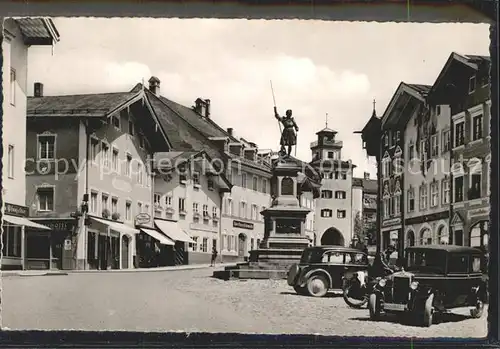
<point x="89" y="177"/>
<point x="365" y="210"/>
<point x="333" y="222"/>
<point x="18" y="35"/>
<point x="464" y="85"/>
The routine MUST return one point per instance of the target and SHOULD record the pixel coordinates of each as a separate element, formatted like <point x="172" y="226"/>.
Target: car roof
<point x="446" y="248"/>
<point x="333" y="248"/>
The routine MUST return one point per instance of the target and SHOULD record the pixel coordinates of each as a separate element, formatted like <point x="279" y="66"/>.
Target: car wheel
<point x="428" y="311"/>
<point x="358" y="302"/>
<point x="477" y="312"/>
<point x="374" y="306"/>
<point x="317" y="286"/>
<point x="300" y="290"/>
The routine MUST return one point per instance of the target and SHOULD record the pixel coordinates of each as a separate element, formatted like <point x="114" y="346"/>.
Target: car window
<point x="426" y="260"/>
<point x="476" y="264"/>
<point x="458" y="264"/>
<point x="354" y="258"/>
<point x="333" y="257"/>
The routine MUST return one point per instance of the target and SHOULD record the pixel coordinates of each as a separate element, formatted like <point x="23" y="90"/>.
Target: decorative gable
<point x="398" y="151"/>
<point x="386" y="194"/>
<point x="386" y="155"/>
<point x="457" y="219"/>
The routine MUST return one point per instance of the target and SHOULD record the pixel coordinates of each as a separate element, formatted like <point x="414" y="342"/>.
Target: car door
<point x="335" y="267"/>
<point x="476" y="275"/>
<point x="457" y="282"/>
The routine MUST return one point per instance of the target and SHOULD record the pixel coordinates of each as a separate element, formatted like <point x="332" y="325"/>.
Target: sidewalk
<point x="134" y="270"/>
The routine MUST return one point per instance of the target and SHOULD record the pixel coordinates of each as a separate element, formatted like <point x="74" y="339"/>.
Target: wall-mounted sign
<point x="288" y="226"/>
<point x="67" y="245"/>
<point x="393" y="221"/>
<point x="16" y="210"/>
<point x="59" y="225"/>
<point x="142" y="218"/>
<point x="484" y="211"/>
<point x="243" y="225"/>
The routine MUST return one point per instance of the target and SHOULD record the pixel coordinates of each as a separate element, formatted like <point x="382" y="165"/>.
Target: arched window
<point x="442" y="235"/>
<point x="410" y="238"/>
<point x="425" y="237"/>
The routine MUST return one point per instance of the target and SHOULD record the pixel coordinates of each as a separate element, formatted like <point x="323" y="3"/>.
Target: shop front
<point x="15" y="226"/>
<point x="110" y="244"/>
<point x="181" y="239"/>
<point x="391" y="233"/>
<point x="470" y="227"/>
<point x="154" y="249"/>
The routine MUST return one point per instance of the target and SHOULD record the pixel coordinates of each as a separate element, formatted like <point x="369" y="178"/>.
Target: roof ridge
<point x="86" y="94"/>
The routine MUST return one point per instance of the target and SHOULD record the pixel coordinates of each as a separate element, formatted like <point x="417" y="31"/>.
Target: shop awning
<point x="173" y="231"/>
<point x="119" y="227"/>
<point x="24" y="221"/>
<point x="158" y="236"/>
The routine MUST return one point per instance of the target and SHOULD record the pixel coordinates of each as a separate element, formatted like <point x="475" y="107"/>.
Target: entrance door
<point x="241" y="245"/>
<point x="102" y="252"/>
<point x="179" y="254"/>
<point x="125" y="246"/>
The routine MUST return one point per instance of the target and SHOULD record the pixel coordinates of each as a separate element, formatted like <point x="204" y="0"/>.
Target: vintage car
<point x="322" y="268"/>
<point x="434" y="278"/>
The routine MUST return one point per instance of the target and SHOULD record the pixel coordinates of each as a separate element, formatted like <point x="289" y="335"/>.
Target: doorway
<point x="332" y="236"/>
<point x="125" y="247"/>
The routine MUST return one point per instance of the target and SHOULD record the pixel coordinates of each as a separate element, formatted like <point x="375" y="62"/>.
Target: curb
<point x="115" y="271"/>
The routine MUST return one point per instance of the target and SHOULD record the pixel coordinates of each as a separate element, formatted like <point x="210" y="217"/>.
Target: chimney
<point x="367" y="175"/>
<point x="207" y="108"/>
<point x="230" y="131"/>
<point x="154" y="85"/>
<point x="38" y="89"/>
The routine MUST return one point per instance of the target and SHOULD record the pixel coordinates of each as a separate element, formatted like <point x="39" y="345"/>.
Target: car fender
<point x="312" y="272"/>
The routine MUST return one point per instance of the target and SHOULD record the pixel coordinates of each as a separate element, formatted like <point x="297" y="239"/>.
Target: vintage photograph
<point x="245" y="176"/>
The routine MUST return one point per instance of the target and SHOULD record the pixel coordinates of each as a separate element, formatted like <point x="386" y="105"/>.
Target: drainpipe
<point x="85" y="215"/>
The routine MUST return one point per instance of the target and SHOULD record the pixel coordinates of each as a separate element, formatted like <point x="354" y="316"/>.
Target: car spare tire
<point x="292" y="274"/>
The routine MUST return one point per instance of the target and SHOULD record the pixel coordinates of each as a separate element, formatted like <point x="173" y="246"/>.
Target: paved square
<point x="190" y="300"/>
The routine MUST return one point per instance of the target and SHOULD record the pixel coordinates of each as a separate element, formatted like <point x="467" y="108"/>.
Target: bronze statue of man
<point x="288" y="135"/>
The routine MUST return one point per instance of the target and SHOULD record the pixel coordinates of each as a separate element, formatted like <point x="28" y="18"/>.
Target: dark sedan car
<point x="324" y="267"/>
<point x="435" y="278"/>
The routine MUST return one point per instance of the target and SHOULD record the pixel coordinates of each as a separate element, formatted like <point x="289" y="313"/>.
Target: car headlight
<point x="414" y="285"/>
<point x="381" y="282"/>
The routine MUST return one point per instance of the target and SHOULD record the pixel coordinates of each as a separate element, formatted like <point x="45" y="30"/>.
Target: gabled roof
<point x="326" y="130"/>
<point x="417" y="91"/>
<point x="38" y="31"/>
<point x="97" y="104"/>
<point x="470" y="61"/>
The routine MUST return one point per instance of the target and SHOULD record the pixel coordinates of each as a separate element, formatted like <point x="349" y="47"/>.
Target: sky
<point x="316" y="68"/>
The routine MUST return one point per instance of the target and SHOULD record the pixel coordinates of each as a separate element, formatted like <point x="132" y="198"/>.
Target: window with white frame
<point x="10" y="161"/>
<point x="214" y="212"/>
<point x="326" y="213"/>
<point x="458" y="188"/>
<point x="411" y="199"/>
<point x="115" y="160"/>
<point x="168" y="200"/>
<point x="140" y="173"/>
<point x="477" y="127"/>
<point x="196" y="178"/>
<point x="104" y="203"/>
<point x="114" y="205"/>
<point x="340" y="194"/>
<point x="182" y="174"/>
<point x="459" y="133"/>
<point x="93" y="202"/>
<point x="195" y="243"/>
<point x="341" y="213"/>
<point x="472" y="84"/>
<point x="105" y="154"/>
<point x="326" y="194"/>
<point x="128" y="165"/>
<point x="210" y="183"/>
<point x="423" y="196"/>
<point x="128" y="211"/>
<point x="254" y="212"/>
<point x="45" y="199"/>
<point x="204" y="246"/>
<point x="13" y="86"/>
<point x="434" y="145"/>
<point x="434" y="194"/>
<point x="94" y="148"/>
<point x="255" y="183"/>
<point x="446" y="140"/>
<point x="46" y="147"/>
<point x="205" y="212"/>
<point x="157" y="199"/>
<point x="397" y="205"/>
<point x="182" y="205"/>
<point x="243" y="180"/>
<point x="195" y="207"/>
<point x="116" y="120"/>
<point x="243" y="209"/>
<point x="445" y="191"/>
<point x="475" y="180"/>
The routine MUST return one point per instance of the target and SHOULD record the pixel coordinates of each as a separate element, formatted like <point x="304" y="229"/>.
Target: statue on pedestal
<point x="288" y="135"/>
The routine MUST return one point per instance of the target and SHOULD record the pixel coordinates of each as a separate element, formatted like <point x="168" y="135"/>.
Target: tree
<point x="358" y="227"/>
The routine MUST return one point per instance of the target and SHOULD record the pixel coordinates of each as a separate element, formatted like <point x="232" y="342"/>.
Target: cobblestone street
<point x="191" y="300"/>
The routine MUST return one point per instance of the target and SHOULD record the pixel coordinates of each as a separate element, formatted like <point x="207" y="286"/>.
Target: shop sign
<point x="393" y="221"/>
<point x="142" y="218"/>
<point x="59" y="225"/>
<point x="484" y="211"/>
<point x="243" y="225"/>
<point x="16" y="210"/>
